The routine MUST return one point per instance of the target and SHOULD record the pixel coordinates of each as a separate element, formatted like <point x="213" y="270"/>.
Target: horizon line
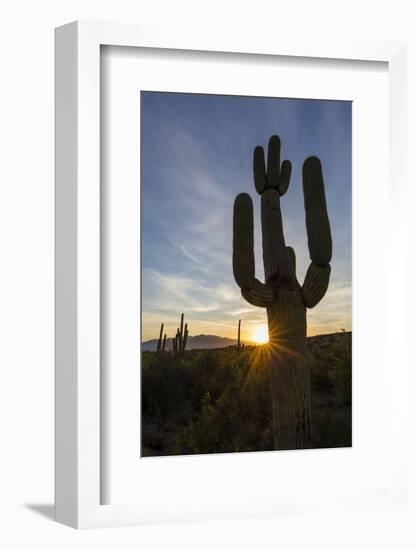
<point x="340" y="331"/>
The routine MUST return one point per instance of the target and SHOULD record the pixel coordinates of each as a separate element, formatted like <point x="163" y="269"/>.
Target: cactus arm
<point x="317" y="220"/>
<point x="243" y="255"/>
<point x="259" y="295"/>
<point x="315" y="284"/>
<point x="275" y="255"/>
<point x="259" y="171"/>
<point x="284" y="177"/>
<point x="317" y="278"/>
<point x="291" y="259"/>
<point x="255" y="292"/>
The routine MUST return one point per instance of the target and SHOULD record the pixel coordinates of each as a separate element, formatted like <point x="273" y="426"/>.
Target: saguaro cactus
<point x="239" y="346"/>
<point x="161" y="342"/>
<point x="283" y="297"/>
<point x="180" y="340"/>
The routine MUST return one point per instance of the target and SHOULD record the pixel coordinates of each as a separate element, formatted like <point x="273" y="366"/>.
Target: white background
<point x="26" y="275"/>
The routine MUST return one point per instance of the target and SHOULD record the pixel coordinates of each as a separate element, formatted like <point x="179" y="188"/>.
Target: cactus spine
<point x="283" y="297"/>
<point x="180" y="341"/>
<point x="161" y="341"/>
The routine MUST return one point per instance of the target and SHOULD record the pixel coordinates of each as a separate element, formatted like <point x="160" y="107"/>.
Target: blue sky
<point x="196" y="156"/>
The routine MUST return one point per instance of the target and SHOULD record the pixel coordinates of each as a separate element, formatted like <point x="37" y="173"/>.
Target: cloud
<point x="196" y="156"/>
<point x="186" y="252"/>
<point x="240" y="311"/>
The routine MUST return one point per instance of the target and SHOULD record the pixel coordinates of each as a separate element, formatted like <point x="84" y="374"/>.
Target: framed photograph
<point x="222" y="348"/>
<point x="206" y="379"/>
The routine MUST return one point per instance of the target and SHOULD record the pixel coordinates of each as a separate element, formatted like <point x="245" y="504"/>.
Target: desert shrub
<point x="214" y="401"/>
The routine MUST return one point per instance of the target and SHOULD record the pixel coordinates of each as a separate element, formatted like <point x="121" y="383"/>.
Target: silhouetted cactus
<point x="161" y="342"/>
<point x="180" y="340"/>
<point x="239" y="346"/>
<point x="281" y="294"/>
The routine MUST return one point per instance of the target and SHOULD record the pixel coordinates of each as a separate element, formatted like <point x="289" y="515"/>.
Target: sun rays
<point x="260" y="334"/>
<point x="285" y="346"/>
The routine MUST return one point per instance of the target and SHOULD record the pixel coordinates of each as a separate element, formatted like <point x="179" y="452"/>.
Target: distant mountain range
<point x="210" y="341"/>
<point x="202" y="341"/>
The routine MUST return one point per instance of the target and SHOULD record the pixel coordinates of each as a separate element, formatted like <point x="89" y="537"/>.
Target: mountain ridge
<point x="200" y="341"/>
<point x="211" y="341"/>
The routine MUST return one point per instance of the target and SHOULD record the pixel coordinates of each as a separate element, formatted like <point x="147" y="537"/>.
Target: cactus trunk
<point x="159" y="347"/>
<point x="238" y="346"/>
<point x="289" y="372"/>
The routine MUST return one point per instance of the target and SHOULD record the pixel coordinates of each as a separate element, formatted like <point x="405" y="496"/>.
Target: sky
<point x="196" y="156"/>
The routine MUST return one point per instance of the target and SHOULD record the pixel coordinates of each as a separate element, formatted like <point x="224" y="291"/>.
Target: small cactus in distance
<point x="160" y="347"/>
<point x="239" y="347"/>
<point x="179" y="343"/>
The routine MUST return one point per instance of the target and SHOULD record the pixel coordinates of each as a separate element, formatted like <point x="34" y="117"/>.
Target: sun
<point x="260" y="334"/>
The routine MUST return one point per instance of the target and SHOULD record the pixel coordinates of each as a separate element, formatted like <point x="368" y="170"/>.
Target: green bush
<point x="216" y="401"/>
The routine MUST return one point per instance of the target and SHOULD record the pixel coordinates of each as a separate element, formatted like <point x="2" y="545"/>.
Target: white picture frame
<point x="78" y="405"/>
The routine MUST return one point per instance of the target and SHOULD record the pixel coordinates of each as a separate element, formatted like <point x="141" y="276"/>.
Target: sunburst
<point x="260" y="334"/>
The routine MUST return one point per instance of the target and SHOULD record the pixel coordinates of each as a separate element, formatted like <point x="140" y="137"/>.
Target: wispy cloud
<point x="196" y="156"/>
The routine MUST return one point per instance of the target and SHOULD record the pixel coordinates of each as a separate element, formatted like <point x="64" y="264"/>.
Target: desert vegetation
<point x="217" y="401"/>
